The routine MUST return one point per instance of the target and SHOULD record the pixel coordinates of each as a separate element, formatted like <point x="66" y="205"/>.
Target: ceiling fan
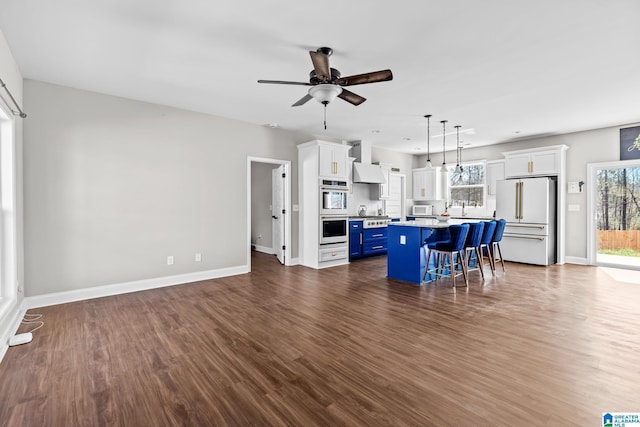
<point x="327" y="83"/>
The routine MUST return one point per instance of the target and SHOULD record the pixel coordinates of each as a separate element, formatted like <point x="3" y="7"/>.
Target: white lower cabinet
<point x="334" y="253"/>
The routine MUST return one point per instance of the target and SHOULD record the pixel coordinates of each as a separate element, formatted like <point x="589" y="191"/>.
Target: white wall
<point x="11" y="76"/>
<point x="113" y="186"/>
<point x="593" y="146"/>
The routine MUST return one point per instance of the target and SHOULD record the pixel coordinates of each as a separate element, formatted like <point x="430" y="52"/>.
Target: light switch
<point x="573" y="187"/>
<point x="403" y="239"/>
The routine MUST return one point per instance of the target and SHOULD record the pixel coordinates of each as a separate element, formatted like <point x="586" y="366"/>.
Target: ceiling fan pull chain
<point x="325" y="116"/>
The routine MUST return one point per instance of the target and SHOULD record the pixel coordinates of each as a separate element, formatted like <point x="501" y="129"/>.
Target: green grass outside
<point x="620" y="252"/>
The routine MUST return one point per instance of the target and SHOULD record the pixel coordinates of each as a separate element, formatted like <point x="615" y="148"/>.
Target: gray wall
<point x="113" y="186"/>
<point x="593" y="146"/>
<point x="260" y="204"/>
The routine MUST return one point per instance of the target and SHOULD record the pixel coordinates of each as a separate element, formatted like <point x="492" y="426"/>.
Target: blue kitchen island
<point x="405" y="253"/>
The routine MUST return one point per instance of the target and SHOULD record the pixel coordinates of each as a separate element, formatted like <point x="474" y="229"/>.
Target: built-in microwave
<point x="333" y="229"/>
<point x="333" y="197"/>
<point x="422" y="210"/>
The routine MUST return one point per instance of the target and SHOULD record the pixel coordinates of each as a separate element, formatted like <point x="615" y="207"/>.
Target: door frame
<point x="592" y="169"/>
<point x="287" y="205"/>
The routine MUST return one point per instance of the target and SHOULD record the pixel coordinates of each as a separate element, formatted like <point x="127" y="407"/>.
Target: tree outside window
<point x="467" y="186"/>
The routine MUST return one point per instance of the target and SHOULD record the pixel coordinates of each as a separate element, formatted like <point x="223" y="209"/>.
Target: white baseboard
<point x="16" y="315"/>
<point x="135" y="286"/>
<point x="576" y="260"/>
<point x="264" y="249"/>
<point x="294" y="261"/>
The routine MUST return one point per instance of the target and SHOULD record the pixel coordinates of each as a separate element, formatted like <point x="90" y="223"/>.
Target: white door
<point x="278" y="212"/>
<point x="395" y="202"/>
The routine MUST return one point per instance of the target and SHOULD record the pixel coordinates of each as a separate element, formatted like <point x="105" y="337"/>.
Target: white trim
<point x="295" y="261"/>
<point x="264" y="249"/>
<point x="287" y="205"/>
<point x="592" y="169"/>
<point x="127" y="287"/>
<point x="576" y="260"/>
<point x="12" y="328"/>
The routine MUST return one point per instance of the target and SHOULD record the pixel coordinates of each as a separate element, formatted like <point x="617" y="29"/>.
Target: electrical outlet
<point x="198" y="257"/>
<point x="170" y="260"/>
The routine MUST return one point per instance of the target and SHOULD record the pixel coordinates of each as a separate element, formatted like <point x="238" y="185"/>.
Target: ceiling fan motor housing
<point x="315" y="80"/>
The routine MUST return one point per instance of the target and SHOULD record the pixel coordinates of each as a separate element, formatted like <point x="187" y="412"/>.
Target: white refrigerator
<point x="529" y="206"/>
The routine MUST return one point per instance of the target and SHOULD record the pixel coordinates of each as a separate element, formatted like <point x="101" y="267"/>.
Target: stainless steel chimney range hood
<point x="363" y="171"/>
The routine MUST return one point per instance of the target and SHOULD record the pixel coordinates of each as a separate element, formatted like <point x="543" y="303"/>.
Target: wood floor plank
<point x="292" y="346"/>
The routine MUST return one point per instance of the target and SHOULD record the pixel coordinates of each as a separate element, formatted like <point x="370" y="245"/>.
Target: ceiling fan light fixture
<point x="325" y="93"/>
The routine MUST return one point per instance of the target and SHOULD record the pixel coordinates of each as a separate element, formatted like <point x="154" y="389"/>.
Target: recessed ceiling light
<point x="418" y="148"/>
<point x="406" y="139"/>
<point x="465" y="144"/>
<point x="273" y="125"/>
<point x="517" y="131"/>
<point x="375" y="131"/>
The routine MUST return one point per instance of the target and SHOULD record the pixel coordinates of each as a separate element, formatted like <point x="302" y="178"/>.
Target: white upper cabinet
<point x="334" y="160"/>
<point x="544" y="161"/>
<point x="426" y="184"/>
<point x="495" y="172"/>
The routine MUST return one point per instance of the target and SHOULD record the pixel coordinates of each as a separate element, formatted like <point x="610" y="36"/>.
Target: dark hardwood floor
<point x="292" y="346"/>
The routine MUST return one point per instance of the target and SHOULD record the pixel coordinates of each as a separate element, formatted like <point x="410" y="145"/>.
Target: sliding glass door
<point x="615" y="225"/>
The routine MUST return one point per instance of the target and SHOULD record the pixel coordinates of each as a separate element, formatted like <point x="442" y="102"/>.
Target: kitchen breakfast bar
<point x="405" y="254"/>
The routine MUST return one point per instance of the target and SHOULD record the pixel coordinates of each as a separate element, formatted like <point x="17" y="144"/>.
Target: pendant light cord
<point x="428" y="116"/>
<point x="444" y="135"/>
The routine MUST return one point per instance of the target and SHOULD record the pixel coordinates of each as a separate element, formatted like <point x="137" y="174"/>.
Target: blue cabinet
<point x="374" y="241"/>
<point x="355" y="239"/>
<point x="366" y="242"/>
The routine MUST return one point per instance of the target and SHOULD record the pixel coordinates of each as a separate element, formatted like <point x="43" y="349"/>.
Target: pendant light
<point x="458" y="168"/>
<point x="444" y="135"/>
<point x="428" y="166"/>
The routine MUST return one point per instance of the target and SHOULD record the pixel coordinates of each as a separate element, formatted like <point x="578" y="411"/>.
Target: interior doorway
<point x="395" y="204"/>
<point x="614" y="220"/>
<point x="269" y="208"/>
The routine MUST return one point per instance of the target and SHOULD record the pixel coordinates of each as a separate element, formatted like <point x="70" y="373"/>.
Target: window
<point x="467" y="186"/>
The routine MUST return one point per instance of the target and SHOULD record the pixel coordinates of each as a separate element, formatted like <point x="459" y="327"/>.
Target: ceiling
<point x="504" y="70"/>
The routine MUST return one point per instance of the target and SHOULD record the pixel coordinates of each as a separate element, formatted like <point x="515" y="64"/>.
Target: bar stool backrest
<point x="500" y="225"/>
<point x="489" y="231"/>
<point x="475" y="234"/>
<point x="458" y="236"/>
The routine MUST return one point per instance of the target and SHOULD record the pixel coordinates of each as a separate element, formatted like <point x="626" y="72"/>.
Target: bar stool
<point x="485" y="244"/>
<point x="452" y="249"/>
<point x="495" y="242"/>
<point x="472" y="246"/>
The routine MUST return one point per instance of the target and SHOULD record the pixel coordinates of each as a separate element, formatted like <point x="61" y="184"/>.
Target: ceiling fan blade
<point x="358" y="79"/>
<point x="351" y="97"/>
<point x="282" y="82"/>
<point x="321" y="65"/>
<point x="303" y="100"/>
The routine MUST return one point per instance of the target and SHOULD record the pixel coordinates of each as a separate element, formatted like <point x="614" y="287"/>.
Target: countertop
<point x="475" y="217"/>
<point x="434" y="223"/>
<point x="422" y="222"/>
